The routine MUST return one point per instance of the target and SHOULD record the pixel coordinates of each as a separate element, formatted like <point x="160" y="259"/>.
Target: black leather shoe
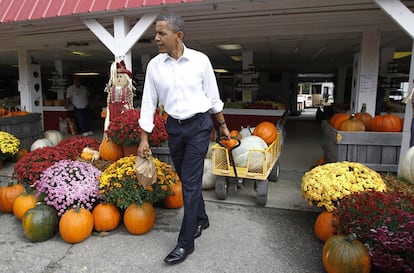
<point x="178" y="255"/>
<point x="200" y="228"/>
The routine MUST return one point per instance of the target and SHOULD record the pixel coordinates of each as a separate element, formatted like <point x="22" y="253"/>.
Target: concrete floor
<point x="242" y="237"/>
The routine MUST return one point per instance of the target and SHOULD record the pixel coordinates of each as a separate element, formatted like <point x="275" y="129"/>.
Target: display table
<point x="237" y="118"/>
<point x="51" y="115"/>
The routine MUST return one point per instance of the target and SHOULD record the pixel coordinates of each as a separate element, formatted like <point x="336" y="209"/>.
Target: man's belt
<point x="188" y="120"/>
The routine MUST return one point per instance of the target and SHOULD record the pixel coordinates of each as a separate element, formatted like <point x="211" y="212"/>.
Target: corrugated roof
<point x="23" y="10"/>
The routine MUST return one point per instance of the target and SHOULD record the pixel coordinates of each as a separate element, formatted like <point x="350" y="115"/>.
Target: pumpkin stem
<point x="77" y="207"/>
<point x="351" y="237"/>
<point x="364" y="108"/>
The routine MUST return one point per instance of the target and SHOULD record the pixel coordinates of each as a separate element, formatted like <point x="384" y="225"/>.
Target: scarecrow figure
<point x="120" y="92"/>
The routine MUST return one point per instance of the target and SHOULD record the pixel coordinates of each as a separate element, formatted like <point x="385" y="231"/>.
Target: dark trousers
<point x="83" y="119"/>
<point x="188" y="145"/>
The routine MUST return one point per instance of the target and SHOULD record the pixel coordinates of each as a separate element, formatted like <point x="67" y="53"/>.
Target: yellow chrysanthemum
<point x="324" y="185"/>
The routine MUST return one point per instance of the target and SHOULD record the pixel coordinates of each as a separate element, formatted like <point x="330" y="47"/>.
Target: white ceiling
<point x="284" y="35"/>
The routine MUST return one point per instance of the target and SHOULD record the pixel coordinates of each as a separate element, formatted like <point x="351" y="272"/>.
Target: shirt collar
<point x="186" y="55"/>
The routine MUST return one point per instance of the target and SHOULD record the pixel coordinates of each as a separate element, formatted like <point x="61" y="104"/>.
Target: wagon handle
<point x="218" y="140"/>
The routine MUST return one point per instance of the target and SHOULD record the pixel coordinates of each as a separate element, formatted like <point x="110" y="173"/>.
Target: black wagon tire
<point x="221" y="188"/>
<point x="261" y="192"/>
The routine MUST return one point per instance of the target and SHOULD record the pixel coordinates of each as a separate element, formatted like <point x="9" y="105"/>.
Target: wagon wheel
<point x="275" y="172"/>
<point x="262" y="189"/>
<point x="221" y="188"/>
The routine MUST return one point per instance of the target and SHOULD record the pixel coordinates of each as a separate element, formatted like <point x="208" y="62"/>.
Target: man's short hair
<point x="176" y="21"/>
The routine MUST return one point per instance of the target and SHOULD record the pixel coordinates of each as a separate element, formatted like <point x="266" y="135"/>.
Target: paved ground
<point x="242" y="237"/>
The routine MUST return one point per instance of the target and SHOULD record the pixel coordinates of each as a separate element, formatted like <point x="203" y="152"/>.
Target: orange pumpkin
<point x="3" y="112"/>
<point x="76" y="225"/>
<point x="23" y="203"/>
<point x="175" y="200"/>
<point x="106" y="217"/>
<point x="229" y="143"/>
<point x="364" y="117"/>
<point x="325" y="226"/>
<point x="386" y="123"/>
<point x="345" y="254"/>
<point x="337" y="118"/>
<point x="236" y="134"/>
<point x="352" y="124"/>
<point x="109" y="150"/>
<point x="139" y="218"/>
<point x="267" y="131"/>
<point x="8" y="194"/>
<point x="19" y="155"/>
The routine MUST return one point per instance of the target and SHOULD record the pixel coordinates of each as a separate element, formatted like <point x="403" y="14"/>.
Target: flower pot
<point x="129" y="150"/>
<point x="1" y="164"/>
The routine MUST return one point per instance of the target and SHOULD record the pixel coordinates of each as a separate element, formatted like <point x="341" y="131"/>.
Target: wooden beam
<point x="399" y="13"/>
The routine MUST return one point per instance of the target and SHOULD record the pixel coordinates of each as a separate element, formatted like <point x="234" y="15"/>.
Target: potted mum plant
<point x="68" y="184"/>
<point x="384" y="221"/>
<point x="9" y="146"/>
<point x="124" y="129"/>
<point x="119" y="184"/>
<point x="326" y="184"/>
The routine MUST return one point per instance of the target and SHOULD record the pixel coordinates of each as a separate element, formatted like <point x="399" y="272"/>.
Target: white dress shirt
<point x="185" y="87"/>
<point x="78" y="95"/>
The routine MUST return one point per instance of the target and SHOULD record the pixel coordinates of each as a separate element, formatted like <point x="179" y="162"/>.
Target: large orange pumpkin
<point x="139" y="218"/>
<point x="76" y="225"/>
<point x="109" y="150"/>
<point x="386" y="123"/>
<point x="175" y="200"/>
<point x="325" y="226"/>
<point x="106" y="217"/>
<point x="23" y="203"/>
<point x="8" y="194"/>
<point x="267" y="131"/>
<point x="345" y="254"/>
<point x="352" y="124"/>
<point x="365" y="117"/>
<point x="337" y="118"/>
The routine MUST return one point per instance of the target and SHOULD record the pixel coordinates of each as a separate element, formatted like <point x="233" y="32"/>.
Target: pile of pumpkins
<point x="40" y="222"/>
<point x="340" y="253"/>
<point x="240" y="144"/>
<point x="4" y="112"/>
<point x="264" y="134"/>
<point x="364" y="121"/>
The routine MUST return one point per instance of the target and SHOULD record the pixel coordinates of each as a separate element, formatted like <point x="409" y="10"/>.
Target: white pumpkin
<point x="40" y="143"/>
<point x="53" y="136"/>
<point x="241" y="153"/>
<point x="246" y="131"/>
<point x="407" y="166"/>
<point x="209" y="179"/>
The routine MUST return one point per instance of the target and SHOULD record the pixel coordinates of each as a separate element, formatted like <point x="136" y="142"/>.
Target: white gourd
<point x="209" y="179"/>
<point x="407" y="166"/>
<point x="241" y="153"/>
<point x="40" y="143"/>
<point x="53" y="136"/>
<point x="246" y="131"/>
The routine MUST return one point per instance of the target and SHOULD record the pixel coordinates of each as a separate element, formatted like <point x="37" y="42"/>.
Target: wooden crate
<point x="379" y="151"/>
<point x="163" y="154"/>
<point x="27" y="128"/>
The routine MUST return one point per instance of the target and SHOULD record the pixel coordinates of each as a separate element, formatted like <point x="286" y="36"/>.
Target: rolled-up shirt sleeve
<point x="211" y="89"/>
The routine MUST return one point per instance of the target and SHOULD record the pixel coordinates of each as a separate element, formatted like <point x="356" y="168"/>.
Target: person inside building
<point x="78" y="95"/>
<point x="183" y="80"/>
